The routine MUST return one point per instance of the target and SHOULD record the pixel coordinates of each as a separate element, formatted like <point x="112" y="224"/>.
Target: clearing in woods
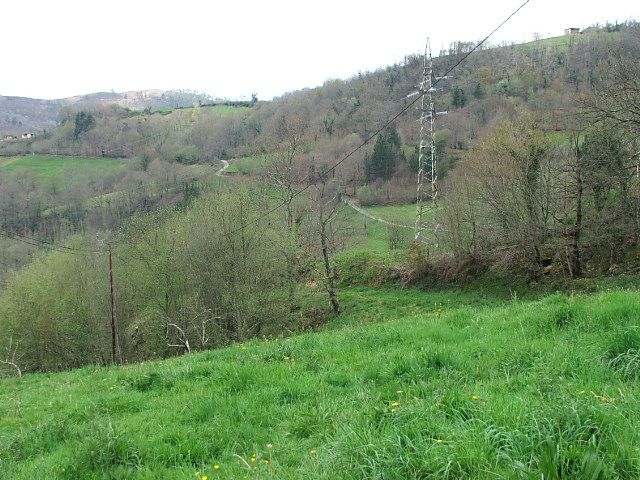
<point x="49" y="167"/>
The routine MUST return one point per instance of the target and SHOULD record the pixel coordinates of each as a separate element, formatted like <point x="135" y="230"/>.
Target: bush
<point x="187" y="155"/>
<point x="367" y="195"/>
<point x="395" y="237"/>
<point x="363" y="268"/>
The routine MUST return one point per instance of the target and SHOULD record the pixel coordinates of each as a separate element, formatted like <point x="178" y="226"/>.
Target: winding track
<point x="225" y="165"/>
<point x="348" y="201"/>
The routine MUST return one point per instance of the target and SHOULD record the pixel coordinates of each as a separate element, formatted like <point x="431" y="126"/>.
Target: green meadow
<point x="359" y="230"/>
<point x="48" y="167"/>
<point x="224" y="110"/>
<point x="404" y="384"/>
<point x="247" y="165"/>
<point x="399" y="214"/>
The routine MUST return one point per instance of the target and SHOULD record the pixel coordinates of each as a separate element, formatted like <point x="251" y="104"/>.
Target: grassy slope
<point x="49" y="166"/>
<point x="374" y="235"/>
<point x="400" y="214"/>
<point x="225" y="110"/>
<point x="484" y="391"/>
<point x="222" y="110"/>
<point x="247" y="165"/>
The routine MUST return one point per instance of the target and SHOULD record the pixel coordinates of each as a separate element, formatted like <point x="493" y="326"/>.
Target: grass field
<point x="400" y="214"/>
<point x="375" y="235"/>
<point x="222" y="110"/>
<point x="565" y="42"/>
<point x="50" y="167"/>
<point x="225" y="110"/>
<point x="360" y="231"/>
<point x="247" y="165"/>
<point x="404" y="384"/>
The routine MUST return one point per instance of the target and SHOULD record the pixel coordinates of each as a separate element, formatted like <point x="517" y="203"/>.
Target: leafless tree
<point x="325" y="200"/>
<point x="194" y="325"/>
<point x="285" y="172"/>
<point x="11" y="357"/>
<point x="617" y="96"/>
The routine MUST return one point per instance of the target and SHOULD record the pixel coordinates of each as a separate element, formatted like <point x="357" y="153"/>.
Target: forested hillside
<point x="542" y="76"/>
<point x="20" y="115"/>
<point x="502" y="344"/>
<point x="537" y="170"/>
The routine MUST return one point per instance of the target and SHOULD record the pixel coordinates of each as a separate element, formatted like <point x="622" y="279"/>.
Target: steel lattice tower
<point x="427" y="160"/>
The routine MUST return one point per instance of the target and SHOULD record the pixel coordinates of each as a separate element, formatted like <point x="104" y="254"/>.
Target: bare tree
<point x="570" y="215"/>
<point x="11" y="357"/>
<point x="194" y="325"/>
<point x="509" y="177"/>
<point x="285" y="172"/>
<point x="617" y="97"/>
<point x="325" y="200"/>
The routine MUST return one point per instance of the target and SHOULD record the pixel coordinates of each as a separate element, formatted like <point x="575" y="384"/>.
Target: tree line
<point x="560" y="203"/>
<point x="187" y="278"/>
<point x="541" y="76"/>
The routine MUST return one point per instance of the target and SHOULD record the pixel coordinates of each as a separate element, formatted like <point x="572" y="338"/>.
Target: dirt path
<point x="225" y="165"/>
<point x="349" y="201"/>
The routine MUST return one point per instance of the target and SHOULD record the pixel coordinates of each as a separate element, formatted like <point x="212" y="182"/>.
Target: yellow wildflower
<point x="216" y="468"/>
<point x="395" y="404"/>
<point x="475" y="397"/>
<point x="205" y="478"/>
<point x="265" y="461"/>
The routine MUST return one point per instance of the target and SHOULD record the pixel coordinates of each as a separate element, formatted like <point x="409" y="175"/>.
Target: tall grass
<point x="404" y="384"/>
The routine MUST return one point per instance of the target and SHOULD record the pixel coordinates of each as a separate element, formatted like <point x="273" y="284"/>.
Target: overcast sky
<point x="61" y="48"/>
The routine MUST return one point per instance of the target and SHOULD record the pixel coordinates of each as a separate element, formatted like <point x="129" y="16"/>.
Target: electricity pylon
<point x="427" y="158"/>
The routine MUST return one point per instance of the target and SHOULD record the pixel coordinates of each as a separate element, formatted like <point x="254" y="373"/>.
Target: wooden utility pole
<point x="114" y="325"/>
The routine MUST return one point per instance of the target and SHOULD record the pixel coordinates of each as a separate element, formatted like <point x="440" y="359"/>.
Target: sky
<point x="229" y="49"/>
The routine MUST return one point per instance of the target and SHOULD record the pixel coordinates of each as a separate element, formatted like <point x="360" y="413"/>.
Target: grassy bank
<point x="404" y="384"/>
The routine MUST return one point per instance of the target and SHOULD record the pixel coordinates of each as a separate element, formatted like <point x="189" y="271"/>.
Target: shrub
<point x="367" y="195"/>
<point x="187" y="155"/>
<point x="395" y="237"/>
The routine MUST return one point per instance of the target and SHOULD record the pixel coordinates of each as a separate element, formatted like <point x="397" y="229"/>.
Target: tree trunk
<point x="574" y="252"/>
<point x="333" y="297"/>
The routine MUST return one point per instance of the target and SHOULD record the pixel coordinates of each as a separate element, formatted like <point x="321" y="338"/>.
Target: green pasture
<point x="48" y="167"/>
<point x="247" y="165"/>
<point x="402" y="385"/>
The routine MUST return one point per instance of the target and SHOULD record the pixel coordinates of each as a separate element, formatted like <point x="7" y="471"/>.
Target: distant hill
<point x="22" y="114"/>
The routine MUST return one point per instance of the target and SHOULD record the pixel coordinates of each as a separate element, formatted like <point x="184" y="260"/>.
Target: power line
<point x="46" y="245"/>
<point x="52" y="246"/>
<point x="389" y="122"/>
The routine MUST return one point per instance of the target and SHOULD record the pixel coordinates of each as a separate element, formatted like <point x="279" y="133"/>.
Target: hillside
<point x="546" y="77"/>
<point x="237" y="290"/>
<point x="49" y="198"/>
<point x="20" y="114"/>
<point x="530" y="183"/>
<point x="402" y="385"/>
